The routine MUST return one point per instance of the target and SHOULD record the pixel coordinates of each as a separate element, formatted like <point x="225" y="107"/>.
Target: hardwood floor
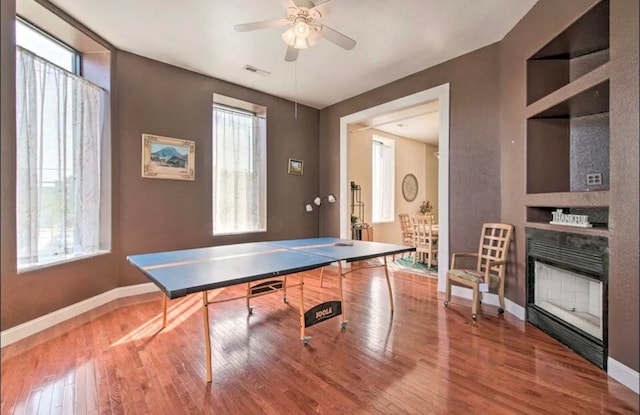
<point x="424" y="360"/>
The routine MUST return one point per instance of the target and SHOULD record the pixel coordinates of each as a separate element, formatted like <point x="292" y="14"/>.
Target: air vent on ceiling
<point x="256" y="70"/>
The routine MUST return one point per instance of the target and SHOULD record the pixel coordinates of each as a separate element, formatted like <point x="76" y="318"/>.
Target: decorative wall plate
<point x="409" y="187"/>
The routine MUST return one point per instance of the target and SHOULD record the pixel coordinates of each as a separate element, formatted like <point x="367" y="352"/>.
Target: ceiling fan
<point x="305" y="20"/>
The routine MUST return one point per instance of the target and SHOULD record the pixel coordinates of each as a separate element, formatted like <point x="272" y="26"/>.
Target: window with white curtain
<point x="382" y="179"/>
<point x="61" y="202"/>
<point x="239" y="170"/>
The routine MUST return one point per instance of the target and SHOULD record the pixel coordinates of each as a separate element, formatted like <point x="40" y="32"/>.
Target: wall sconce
<point x="318" y="201"/>
<point x="330" y="198"/>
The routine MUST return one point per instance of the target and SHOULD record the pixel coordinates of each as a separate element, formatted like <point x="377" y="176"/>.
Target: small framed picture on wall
<point x="295" y="167"/>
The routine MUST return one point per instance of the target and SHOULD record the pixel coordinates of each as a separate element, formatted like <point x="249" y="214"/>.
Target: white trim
<point x="24" y="268"/>
<point x="491" y="299"/>
<point x="440" y="93"/>
<point x="261" y="230"/>
<point x="41" y="323"/>
<point x="623" y="374"/>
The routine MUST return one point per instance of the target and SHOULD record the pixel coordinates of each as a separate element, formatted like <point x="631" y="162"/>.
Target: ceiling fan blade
<point x="265" y="24"/>
<point x="292" y="54"/>
<point x="288" y="4"/>
<point x="304" y="3"/>
<point x="338" y="38"/>
<point x="319" y="2"/>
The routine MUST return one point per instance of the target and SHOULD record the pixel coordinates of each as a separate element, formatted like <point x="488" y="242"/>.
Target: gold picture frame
<point x="168" y="158"/>
<point x="295" y="167"/>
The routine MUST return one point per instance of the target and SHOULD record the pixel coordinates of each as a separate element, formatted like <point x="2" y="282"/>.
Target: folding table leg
<point x="207" y="338"/>
<point x="249" y="308"/>
<point x="164" y="310"/>
<point x="343" y="317"/>
<point x="321" y="276"/>
<point x="305" y="339"/>
<point x="284" y="287"/>
<point x="386" y="274"/>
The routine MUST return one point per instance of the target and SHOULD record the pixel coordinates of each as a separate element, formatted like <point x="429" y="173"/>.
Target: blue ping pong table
<point x="256" y="264"/>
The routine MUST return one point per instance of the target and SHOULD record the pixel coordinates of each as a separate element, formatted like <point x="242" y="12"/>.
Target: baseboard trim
<point x="491" y="299"/>
<point x="623" y="374"/>
<point x="39" y="324"/>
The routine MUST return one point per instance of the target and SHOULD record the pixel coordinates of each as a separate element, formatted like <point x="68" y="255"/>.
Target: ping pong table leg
<point x="164" y="310"/>
<point x="284" y="287"/>
<point x="207" y="339"/>
<point x="321" y="276"/>
<point x="305" y="339"/>
<point x="343" y="321"/>
<point x="386" y="274"/>
<point x="249" y="308"/>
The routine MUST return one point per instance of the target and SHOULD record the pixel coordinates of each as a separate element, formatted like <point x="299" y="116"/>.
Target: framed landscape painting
<point x="168" y="158"/>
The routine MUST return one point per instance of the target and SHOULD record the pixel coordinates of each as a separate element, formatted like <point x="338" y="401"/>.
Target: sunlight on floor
<point x="176" y="314"/>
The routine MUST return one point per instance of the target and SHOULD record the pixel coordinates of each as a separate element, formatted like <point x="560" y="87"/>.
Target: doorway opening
<point x="434" y="100"/>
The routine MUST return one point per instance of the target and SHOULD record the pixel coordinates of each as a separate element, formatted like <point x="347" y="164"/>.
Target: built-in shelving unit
<point x="579" y="49"/>
<point x="567" y="146"/>
<point x="568" y="199"/>
<point x="540" y="216"/>
<point x="581" y="231"/>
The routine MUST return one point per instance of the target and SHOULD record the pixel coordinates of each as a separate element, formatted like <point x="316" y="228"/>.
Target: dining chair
<point x="406" y="228"/>
<point x="425" y="239"/>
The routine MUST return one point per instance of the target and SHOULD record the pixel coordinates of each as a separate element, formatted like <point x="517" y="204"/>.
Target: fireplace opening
<point x="571" y="297"/>
<point x="567" y="290"/>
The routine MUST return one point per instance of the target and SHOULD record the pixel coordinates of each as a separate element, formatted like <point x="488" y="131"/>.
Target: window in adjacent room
<point x="239" y="167"/>
<point x="62" y="201"/>
<point x="382" y="179"/>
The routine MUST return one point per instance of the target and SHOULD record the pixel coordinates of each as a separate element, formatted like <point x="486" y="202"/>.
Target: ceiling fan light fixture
<point x="302" y="29"/>
<point x="301" y="43"/>
<point x="289" y="37"/>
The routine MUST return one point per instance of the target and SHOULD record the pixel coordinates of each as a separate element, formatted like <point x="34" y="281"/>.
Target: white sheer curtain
<point x="238" y="170"/>
<point x="60" y="121"/>
<point x="382" y="181"/>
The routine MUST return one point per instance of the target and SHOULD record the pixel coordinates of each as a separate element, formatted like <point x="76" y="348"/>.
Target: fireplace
<point x="567" y="290"/>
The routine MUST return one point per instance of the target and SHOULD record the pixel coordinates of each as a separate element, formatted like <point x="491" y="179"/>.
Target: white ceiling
<point x="420" y="123"/>
<point x="395" y="38"/>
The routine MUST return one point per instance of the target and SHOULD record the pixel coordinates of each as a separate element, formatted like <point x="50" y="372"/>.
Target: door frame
<point x="440" y="93"/>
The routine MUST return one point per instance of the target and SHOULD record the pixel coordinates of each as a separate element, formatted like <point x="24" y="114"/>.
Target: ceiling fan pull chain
<point x="295" y="91"/>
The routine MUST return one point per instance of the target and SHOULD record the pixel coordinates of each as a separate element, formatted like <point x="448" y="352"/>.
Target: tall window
<point x="239" y="171"/>
<point x="60" y="129"/>
<point x="382" y="179"/>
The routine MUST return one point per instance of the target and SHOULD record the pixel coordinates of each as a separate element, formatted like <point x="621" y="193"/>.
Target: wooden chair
<point x="425" y="239"/>
<point x="490" y="268"/>
<point x="407" y="229"/>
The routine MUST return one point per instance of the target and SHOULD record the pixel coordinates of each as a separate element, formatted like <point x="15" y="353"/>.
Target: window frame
<point x="77" y="55"/>
<point x="260" y="112"/>
<point x="105" y="220"/>
<point x="392" y="144"/>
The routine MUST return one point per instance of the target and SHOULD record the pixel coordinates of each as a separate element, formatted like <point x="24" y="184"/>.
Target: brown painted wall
<point x="30" y="295"/>
<point x="624" y="235"/>
<point x="159" y="215"/>
<point x="150" y="215"/>
<point x="545" y="20"/>
<point x="7" y="147"/>
<point x="474" y="177"/>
